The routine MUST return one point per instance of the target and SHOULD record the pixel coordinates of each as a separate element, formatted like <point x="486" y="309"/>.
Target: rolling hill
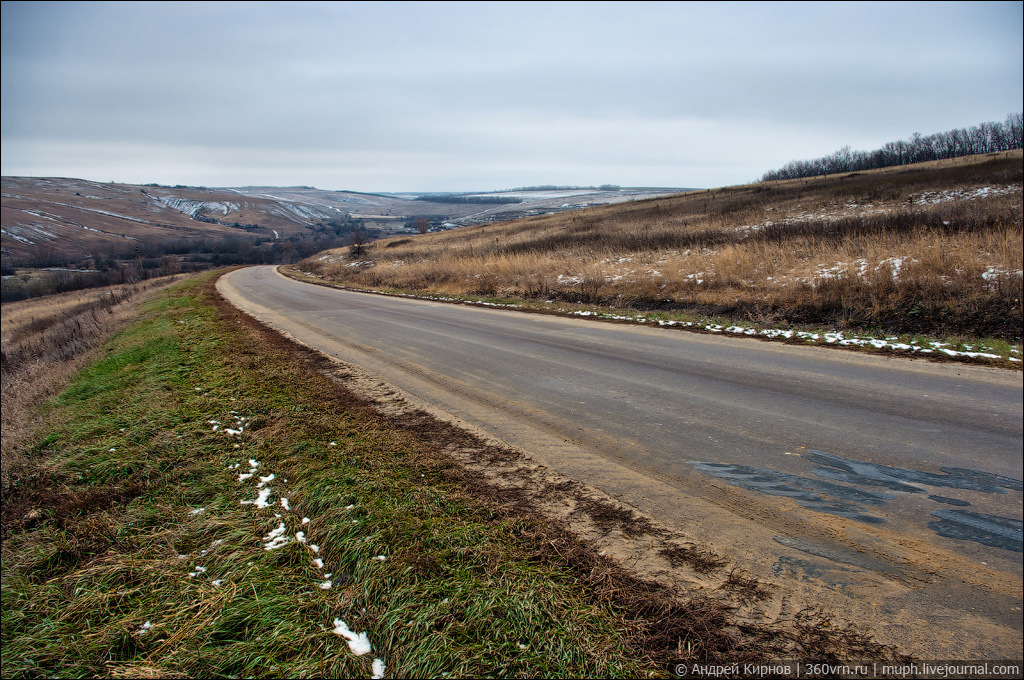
<point x="930" y="248"/>
<point x="74" y="217"/>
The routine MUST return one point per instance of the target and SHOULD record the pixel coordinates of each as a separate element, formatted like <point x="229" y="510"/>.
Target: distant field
<point x="934" y="248"/>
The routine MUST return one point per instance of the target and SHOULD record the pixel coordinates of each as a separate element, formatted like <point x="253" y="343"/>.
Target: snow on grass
<point x="378" y="669"/>
<point x="277" y="538"/>
<point x="261" y="500"/>
<point x="892" y="344"/>
<point x="357" y="642"/>
<point x="993" y="274"/>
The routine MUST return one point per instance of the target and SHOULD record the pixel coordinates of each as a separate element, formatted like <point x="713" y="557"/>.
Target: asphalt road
<point x="851" y="473"/>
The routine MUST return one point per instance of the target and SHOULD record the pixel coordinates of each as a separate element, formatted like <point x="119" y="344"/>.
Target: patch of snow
<point x="357" y="642"/>
<point x="276" y="538"/>
<point x="261" y="500"/>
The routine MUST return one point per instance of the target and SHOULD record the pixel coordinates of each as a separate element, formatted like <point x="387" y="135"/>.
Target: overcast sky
<point x="473" y="96"/>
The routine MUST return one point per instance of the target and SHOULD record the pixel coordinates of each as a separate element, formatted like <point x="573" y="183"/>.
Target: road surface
<point x="884" y="488"/>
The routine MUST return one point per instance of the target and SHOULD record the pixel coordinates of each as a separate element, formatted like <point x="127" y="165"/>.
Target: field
<point x="932" y="249"/>
<point x="207" y="499"/>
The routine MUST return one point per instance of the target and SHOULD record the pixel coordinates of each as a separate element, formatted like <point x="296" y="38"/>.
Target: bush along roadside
<point x="207" y="502"/>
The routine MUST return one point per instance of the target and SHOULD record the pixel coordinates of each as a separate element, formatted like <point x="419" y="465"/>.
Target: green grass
<point x="106" y="534"/>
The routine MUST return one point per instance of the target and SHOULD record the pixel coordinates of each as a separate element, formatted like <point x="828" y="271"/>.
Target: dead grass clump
<point x="745" y="588"/>
<point x="815" y="635"/>
<point x="609" y="517"/>
<point x="699" y="559"/>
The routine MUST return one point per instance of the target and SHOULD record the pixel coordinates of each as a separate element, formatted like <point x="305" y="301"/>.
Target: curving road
<point x="886" y="487"/>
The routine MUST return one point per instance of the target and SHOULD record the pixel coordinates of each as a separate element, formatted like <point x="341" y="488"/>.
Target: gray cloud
<point x="391" y="96"/>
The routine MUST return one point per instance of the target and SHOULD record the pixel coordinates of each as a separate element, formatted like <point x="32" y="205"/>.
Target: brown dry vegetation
<point x="75" y="217"/>
<point x="934" y="248"/>
<point x="45" y="342"/>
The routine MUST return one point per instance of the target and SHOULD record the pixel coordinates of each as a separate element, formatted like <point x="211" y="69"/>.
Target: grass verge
<point x="45" y="342"/>
<point x="207" y="502"/>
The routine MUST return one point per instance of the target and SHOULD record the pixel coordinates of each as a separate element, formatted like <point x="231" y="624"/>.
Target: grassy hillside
<point x="73" y="217"/>
<point x="45" y="342"/>
<point x="52" y="221"/>
<point x="931" y="249"/>
<point x="204" y="500"/>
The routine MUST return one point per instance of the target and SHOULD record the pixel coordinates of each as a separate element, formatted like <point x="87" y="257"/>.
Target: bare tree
<point x="359" y="238"/>
<point x="983" y="138"/>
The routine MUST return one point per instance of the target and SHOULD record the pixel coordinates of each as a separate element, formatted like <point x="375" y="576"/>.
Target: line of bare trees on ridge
<point x="983" y="138"/>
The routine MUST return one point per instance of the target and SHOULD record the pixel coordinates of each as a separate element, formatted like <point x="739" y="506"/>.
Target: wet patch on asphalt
<point x="990" y="530"/>
<point x="813" y="494"/>
<point x="835" y="577"/>
<point x="853" y="558"/>
<point x="838" y="485"/>
<point x="902" y="479"/>
<point x="949" y="501"/>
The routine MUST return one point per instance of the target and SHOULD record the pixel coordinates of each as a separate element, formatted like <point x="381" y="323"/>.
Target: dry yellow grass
<point x="934" y="248"/>
<point x="45" y="342"/>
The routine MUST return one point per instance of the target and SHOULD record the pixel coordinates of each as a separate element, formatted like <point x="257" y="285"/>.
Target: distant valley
<point x="52" y="221"/>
